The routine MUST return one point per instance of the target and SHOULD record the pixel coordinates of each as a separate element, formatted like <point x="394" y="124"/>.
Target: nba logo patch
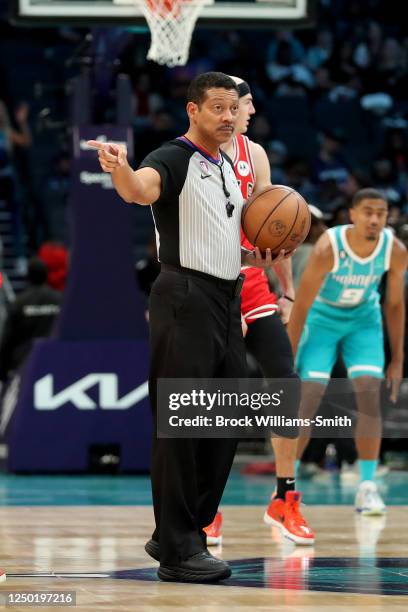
<point x="205" y="170"/>
<point x="243" y="168"/>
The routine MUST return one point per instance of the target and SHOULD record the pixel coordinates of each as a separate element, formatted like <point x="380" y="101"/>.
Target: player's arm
<point x="320" y="263"/>
<point x="394" y="310"/>
<point x="261" y="166"/>
<point x="283" y="271"/>
<point x="141" y="186"/>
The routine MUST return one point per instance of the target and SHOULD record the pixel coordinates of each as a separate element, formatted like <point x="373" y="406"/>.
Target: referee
<point x="195" y="324"/>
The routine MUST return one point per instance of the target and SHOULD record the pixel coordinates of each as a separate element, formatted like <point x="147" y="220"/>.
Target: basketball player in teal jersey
<point x="337" y="308"/>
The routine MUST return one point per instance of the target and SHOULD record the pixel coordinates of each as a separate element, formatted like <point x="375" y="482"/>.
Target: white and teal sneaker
<point x="368" y="500"/>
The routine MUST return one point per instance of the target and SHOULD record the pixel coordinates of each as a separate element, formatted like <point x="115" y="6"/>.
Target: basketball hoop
<point x="171" y="24"/>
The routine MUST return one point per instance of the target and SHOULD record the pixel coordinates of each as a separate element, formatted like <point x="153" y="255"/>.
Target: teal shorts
<point x="355" y="334"/>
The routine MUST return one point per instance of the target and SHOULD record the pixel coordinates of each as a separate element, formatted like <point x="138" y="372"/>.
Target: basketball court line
<point x="368" y="576"/>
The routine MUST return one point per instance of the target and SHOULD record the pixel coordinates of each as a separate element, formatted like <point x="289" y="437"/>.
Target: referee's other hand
<point x="111" y="155"/>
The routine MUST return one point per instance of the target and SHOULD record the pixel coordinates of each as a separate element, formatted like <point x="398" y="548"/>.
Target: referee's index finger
<point x="95" y="144"/>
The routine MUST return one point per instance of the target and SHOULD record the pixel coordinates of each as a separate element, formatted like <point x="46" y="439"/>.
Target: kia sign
<point x="45" y="397"/>
<point x="74" y="395"/>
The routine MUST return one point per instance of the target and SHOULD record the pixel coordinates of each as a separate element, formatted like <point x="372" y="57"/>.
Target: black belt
<point x="233" y="287"/>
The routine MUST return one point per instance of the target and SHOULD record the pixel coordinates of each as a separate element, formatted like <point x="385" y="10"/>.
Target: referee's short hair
<point x="198" y="87"/>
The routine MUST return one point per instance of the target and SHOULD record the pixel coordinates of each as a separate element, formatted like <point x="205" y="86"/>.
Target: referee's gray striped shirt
<point x="192" y="226"/>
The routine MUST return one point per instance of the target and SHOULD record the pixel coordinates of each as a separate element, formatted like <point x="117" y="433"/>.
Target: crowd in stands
<point x="331" y="102"/>
<point x="331" y="105"/>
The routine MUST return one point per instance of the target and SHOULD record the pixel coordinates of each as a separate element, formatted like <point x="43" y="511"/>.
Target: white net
<point x="171" y="24"/>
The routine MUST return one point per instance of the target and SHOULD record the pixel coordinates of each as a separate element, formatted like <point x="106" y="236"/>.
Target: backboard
<point x="238" y="13"/>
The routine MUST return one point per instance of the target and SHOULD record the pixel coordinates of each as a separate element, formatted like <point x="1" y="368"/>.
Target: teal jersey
<point x="354" y="280"/>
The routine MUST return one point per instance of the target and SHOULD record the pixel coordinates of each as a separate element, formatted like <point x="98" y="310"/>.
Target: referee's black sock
<point x="284" y="484"/>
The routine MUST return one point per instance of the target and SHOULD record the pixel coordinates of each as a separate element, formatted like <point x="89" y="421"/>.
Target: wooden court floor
<point x="356" y="564"/>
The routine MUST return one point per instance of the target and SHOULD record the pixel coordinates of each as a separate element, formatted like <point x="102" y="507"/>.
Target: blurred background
<point x="332" y="114"/>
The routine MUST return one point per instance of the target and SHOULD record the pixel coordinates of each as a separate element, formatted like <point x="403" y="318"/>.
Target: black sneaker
<point x="201" y="567"/>
<point x="152" y="548"/>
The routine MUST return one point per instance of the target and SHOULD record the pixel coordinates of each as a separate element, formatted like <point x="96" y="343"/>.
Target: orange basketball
<point x="276" y="218"/>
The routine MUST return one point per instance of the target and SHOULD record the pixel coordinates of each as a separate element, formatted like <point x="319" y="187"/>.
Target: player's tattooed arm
<point x="394" y="310"/>
<point x="320" y="263"/>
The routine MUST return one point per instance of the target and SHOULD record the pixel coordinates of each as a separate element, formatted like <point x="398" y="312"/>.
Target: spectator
<point x="26" y="193"/>
<point x="335" y="199"/>
<point x="367" y="52"/>
<point x="396" y="151"/>
<point x="7" y="295"/>
<point x="340" y="215"/>
<point x="55" y="257"/>
<point x="298" y="172"/>
<point x="160" y="129"/>
<point x="9" y="138"/>
<point x="329" y="196"/>
<point x="394" y="217"/>
<point x="31" y="316"/>
<point x="261" y="130"/>
<point x="277" y="153"/>
<point x="302" y="253"/>
<point x="341" y="65"/>
<point x="286" y="68"/>
<point x="146" y="101"/>
<point x="56" y="194"/>
<point x="385" y="74"/>
<point x="385" y="179"/>
<point x="321" y="52"/>
<point x="330" y="166"/>
<point x="403" y="235"/>
<point x="323" y="82"/>
<point x="295" y="47"/>
<point x="356" y="180"/>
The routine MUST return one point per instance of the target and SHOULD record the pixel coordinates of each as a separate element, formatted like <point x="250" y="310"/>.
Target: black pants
<point x="195" y="332"/>
<point x="268" y="341"/>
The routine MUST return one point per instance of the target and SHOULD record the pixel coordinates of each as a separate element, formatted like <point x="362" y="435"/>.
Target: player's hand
<point x="254" y="258"/>
<point x="285" y="308"/>
<point x="111" y="155"/>
<point x="393" y="377"/>
<point x="290" y="254"/>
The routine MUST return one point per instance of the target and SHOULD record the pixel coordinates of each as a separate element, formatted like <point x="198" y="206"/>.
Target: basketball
<point x="276" y="218"/>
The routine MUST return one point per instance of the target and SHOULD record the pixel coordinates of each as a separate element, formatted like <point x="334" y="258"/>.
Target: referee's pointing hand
<point x="111" y="155"/>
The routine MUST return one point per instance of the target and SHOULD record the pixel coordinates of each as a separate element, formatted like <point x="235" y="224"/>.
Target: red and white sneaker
<point x="2" y="575"/>
<point x="287" y="516"/>
<point x="213" y="531"/>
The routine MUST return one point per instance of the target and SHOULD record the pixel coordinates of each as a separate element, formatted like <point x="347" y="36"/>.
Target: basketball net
<point x="171" y="24"/>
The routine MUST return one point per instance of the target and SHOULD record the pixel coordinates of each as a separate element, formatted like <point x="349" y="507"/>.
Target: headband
<point x="243" y="89"/>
